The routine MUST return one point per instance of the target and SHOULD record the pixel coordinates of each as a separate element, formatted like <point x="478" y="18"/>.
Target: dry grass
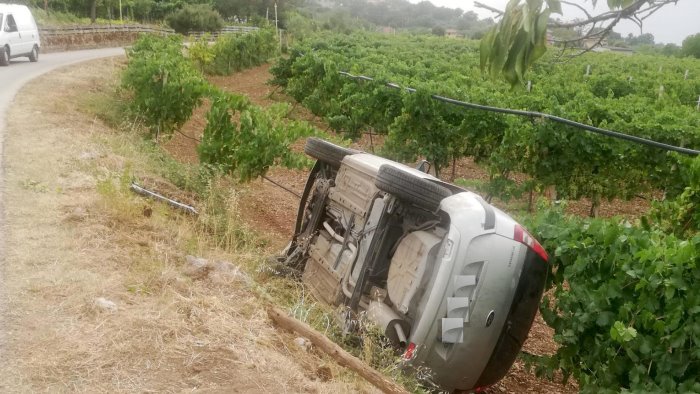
<point x="74" y="233"/>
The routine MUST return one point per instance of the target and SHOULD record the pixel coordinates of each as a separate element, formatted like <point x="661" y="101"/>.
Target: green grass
<point x="59" y="18"/>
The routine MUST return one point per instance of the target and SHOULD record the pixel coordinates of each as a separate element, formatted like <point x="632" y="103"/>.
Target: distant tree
<point x="671" y="50"/>
<point x="642" y="39"/>
<point x="691" y="46"/>
<point x="438" y="31"/>
<point x="195" y="17"/>
<point x="299" y="25"/>
<point x="477" y="35"/>
<point x="141" y="9"/>
<point x="240" y="8"/>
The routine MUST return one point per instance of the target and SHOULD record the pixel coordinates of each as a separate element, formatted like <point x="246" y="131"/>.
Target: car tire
<point x="34" y="54"/>
<point x="5" y="57"/>
<point x="327" y="152"/>
<point x="410" y="188"/>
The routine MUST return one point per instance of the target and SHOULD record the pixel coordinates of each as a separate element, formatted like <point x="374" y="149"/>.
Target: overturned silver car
<point x="454" y="282"/>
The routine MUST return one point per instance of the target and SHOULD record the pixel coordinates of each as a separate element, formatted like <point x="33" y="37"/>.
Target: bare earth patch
<point x="100" y="295"/>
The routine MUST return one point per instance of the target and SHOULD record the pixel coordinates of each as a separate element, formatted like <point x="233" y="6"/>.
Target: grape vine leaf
<point x="518" y="40"/>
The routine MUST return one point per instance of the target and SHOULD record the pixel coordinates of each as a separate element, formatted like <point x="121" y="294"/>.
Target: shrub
<point x="691" y="46"/>
<point x="195" y="17"/>
<point x="166" y="86"/>
<point x="235" y="52"/>
<point x="247" y="140"/>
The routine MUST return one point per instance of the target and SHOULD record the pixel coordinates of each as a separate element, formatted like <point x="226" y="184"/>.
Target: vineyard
<point x="624" y="307"/>
<point x="643" y="96"/>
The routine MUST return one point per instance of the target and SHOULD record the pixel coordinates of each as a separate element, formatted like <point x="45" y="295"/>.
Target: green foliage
<point x="251" y="8"/>
<point x="239" y="137"/>
<point x="403" y="15"/>
<point x="680" y="216"/>
<point x="518" y="39"/>
<point x="511" y="47"/>
<point x="247" y="140"/>
<point x="195" y="17"/>
<point x="300" y="26"/>
<point x="438" y="31"/>
<point x="625" y="306"/>
<point x="646" y="39"/>
<point x="200" y="52"/>
<point x="691" y="46"/>
<point x="235" y="52"/>
<point x="166" y="86"/>
<point x="424" y="128"/>
<point x="141" y="9"/>
<point x="44" y="18"/>
<point x="619" y="93"/>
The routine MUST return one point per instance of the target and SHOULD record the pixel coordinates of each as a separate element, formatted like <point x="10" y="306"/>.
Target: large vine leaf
<point x="518" y="40"/>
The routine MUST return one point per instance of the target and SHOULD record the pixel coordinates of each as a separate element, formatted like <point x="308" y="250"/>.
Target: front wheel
<point x="5" y="56"/>
<point x="34" y="55"/>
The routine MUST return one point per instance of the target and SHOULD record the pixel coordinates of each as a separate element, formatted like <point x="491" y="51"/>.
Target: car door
<point x="14" y="38"/>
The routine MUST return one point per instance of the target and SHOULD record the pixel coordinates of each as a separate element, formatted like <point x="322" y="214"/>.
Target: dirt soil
<point x="100" y="296"/>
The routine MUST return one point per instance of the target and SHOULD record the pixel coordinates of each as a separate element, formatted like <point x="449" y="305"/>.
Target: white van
<point x="19" y="35"/>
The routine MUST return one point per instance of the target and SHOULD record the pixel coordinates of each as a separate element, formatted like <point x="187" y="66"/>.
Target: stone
<point x="105" y="305"/>
<point x="303" y="343"/>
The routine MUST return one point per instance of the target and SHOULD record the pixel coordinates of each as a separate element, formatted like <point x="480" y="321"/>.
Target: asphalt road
<point x="12" y="78"/>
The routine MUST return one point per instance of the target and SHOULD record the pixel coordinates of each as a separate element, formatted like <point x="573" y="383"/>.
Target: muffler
<point x="395" y="328"/>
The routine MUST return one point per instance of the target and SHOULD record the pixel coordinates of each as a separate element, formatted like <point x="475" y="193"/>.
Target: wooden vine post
<point x="336" y="352"/>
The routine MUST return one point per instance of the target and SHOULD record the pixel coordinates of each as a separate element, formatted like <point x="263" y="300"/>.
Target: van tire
<point x="34" y="54"/>
<point x="327" y="152"/>
<point x="410" y="188"/>
<point x="5" y="56"/>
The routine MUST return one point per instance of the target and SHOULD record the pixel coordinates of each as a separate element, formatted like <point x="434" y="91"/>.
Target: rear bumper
<point x="483" y="297"/>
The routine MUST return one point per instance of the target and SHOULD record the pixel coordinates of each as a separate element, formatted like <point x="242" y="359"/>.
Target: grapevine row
<point x="576" y="164"/>
<point x="242" y="139"/>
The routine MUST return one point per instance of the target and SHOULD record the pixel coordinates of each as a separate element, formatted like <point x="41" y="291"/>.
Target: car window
<point x="10" y="26"/>
<point x="1" y="21"/>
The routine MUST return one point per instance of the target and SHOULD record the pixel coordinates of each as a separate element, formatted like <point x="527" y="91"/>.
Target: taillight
<point x="525" y="238"/>
<point x="410" y="352"/>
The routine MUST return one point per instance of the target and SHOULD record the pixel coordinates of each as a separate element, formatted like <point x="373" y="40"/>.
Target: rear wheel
<point x="5" y="56"/>
<point x="34" y="55"/>
<point x="326" y="152"/>
<point x="410" y="188"/>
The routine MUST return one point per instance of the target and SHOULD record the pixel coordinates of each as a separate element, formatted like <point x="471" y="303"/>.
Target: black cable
<point x="187" y="136"/>
<point x="282" y="187"/>
<point x="532" y="114"/>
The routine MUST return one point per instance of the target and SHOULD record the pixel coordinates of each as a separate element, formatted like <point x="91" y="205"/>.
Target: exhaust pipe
<point x="395" y="328"/>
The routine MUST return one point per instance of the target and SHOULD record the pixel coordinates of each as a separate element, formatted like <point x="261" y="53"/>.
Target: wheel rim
<point x="5" y="56"/>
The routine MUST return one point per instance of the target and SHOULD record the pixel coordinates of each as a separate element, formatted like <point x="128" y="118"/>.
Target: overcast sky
<point x="671" y="24"/>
